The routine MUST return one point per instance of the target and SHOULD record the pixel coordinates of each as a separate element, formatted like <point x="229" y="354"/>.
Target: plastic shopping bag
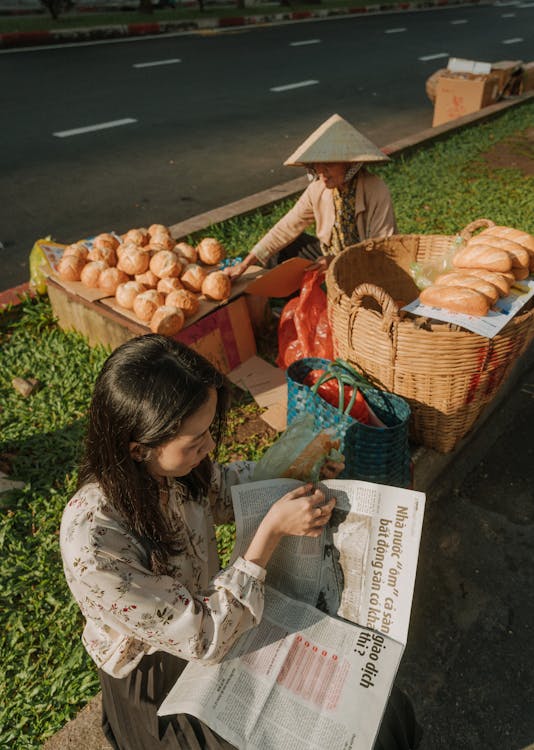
<point x="304" y="330"/>
<point x="299" y="452"/>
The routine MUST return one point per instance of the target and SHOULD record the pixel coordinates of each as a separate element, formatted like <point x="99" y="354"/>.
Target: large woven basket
<point x="446" y="373"/>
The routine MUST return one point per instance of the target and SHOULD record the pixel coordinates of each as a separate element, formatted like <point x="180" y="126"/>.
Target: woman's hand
<point x="301" y="512"/>
<point x="234" y="272"/>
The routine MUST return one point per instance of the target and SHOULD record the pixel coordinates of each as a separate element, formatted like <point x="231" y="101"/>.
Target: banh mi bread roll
<point x="482" y="256"/>
<point x="471" y="282"/>
<point x="499" y="280"/>
<point x="521" y="274"/>
<point x="110" y="278"/>
<point x="509" y="276"/>
<point x="167" y="320"/>
<point x="91" y="273"/>
<point x="133" y="260"/>
<point x="126" y="293"/>
<point x="105" y="240"/>
<point x="185" y="300"/>
<point x="70" y="267"/>
<point x="217" y="285"/>
<point x="146" y="303"/>
<point x="136" y="236"/>
<point x="458" y="299"/>
<point x="169" y="284"/>
<point x="193" y="277"/>
<point x="210" y="251"/>
<point x="78" y="249"/>
<point x="104" y="252"/>
<point x="509" y="233"/>
<point x="147" y="278"/>
<point x="520" y="255"/>
<point x="187" y="251"/>
<point x="165" y="263"/>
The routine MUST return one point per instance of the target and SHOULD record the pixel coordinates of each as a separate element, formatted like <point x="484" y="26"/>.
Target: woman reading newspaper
<point x="139" y="549"/>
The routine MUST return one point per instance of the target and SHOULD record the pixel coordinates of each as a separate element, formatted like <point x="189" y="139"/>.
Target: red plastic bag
<point x="304" y="330"/>
<point x="330" y="391"/>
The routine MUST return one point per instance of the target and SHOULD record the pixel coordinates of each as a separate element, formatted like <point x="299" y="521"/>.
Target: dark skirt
<point x="130" y="720"/>
<point x="304" y="246"/>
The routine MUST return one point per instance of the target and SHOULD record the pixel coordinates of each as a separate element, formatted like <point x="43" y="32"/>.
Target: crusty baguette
<point x="517" y="235"/>
<point x="457" y="278"/>
<point x="482" y="256"/>
<point x="499" y="280"/>
<point x="521" y="273"/>
<point x="520" y="255"/>
<point x="457" y="299"/>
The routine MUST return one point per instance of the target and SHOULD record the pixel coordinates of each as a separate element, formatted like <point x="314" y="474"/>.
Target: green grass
<point x="46" y="676"/>
<point x="44" y="22"/>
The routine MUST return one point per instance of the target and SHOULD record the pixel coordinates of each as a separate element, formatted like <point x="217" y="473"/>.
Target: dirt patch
<point x="516" y="152"/>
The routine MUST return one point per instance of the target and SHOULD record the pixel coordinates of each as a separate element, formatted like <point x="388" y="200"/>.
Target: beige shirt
<point x="196" y="612"/>
<point x="373" y="214"/>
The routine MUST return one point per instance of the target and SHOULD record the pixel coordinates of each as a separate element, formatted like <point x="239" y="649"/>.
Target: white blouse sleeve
<point x="113" y="586"/>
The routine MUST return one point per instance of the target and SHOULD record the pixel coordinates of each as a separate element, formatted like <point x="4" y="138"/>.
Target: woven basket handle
<point x="468" y="231"/>
<point x="390" y="311"/>
<point x="343" y="374"/>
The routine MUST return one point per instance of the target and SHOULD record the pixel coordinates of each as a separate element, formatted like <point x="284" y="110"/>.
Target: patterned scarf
<point x="344" y="231"/>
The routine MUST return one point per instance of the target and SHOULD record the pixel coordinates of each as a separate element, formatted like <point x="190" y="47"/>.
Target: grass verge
<point x="46" y="676"/>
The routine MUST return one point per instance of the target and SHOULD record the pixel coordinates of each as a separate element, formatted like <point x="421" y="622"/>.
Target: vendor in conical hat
<point x="347" y="203"/>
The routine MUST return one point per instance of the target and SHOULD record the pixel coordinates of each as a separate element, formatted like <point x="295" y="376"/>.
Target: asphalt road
<point x="212" y="121"/>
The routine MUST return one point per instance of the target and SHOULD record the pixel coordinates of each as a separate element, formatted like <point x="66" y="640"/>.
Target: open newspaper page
<point x="301" y="680"/>
<point x="318" y="670"/>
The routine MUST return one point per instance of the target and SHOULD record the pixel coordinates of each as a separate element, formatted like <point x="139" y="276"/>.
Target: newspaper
<point x="488" y="325"/>
<point x="317" y="672"/>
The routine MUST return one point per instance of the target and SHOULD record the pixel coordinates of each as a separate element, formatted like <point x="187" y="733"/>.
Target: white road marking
<point x="394" y="31"/>
<point x="157" y="62"/>
<point x="507" y="15"/>
<point x="459" y="21"/>
<point x="91" y="128"/>
<point x="526" y="5"/>
<point x="305" y="41"/>
<point x="433" y="57"/>
<point x="515" y="40"/>
<point x="289" y="86"/>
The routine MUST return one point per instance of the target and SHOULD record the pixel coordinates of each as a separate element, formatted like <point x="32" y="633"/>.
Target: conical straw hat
<point x="335" y="140"/>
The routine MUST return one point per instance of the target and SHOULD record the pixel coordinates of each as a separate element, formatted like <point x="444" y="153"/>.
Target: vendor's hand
<point x="301" y="512"/>
<point x="321" y="264"/>
<point x="234" y="272"/>
<point x="331" y="469"/>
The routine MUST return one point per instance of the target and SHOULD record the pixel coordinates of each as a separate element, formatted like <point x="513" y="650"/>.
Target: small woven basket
<point x="373" y="454"/>
<point x="447" y="374"/>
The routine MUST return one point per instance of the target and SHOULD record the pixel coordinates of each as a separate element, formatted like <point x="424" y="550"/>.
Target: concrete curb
<point x="16" y="39"/>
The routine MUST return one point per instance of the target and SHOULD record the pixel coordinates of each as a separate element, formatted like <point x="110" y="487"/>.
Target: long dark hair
<point x="145" y="390"/>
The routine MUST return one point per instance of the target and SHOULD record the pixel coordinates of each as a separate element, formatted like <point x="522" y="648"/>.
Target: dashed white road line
<point x="507" y="15"/>
<point x="171" y="61"/>
<point x="458" y="21"/>
<point x="91" y="128"/>
<point x="395" y="31"/>
<point x="433" y="57"/>
<point x="515" y="40"/>
<point x="304" y="42"/>
<point x="289" y="86"/>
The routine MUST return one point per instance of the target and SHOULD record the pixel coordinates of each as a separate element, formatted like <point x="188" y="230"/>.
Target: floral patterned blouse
<point x="196" y="612"/>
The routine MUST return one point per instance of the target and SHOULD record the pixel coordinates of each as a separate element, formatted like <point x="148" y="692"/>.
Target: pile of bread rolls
<point x="485" y="268"/>
<point x="160" y="281"/>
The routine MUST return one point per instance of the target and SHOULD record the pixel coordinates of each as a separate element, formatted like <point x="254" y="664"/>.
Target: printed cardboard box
<point x="456" y="97"/>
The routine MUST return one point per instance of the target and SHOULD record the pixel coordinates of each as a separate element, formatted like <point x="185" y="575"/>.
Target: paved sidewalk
<point x="38" y="37"/>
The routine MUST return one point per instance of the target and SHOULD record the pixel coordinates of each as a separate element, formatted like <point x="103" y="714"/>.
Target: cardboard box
<point x="224" y="336"/>
<point x="508" y="72"/>
<point x="456" y="97"/>
<point x="527" y="77"/>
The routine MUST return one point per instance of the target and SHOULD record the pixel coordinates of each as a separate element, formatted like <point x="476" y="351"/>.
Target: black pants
<point x="304" y="246"/>
<point x="130" y="721"/>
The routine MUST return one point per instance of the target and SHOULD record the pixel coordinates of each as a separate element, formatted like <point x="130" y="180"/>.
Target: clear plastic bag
<point x="299" y="453"/>
<point x="38" y="266"/>
<point x="426" y="272"/>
